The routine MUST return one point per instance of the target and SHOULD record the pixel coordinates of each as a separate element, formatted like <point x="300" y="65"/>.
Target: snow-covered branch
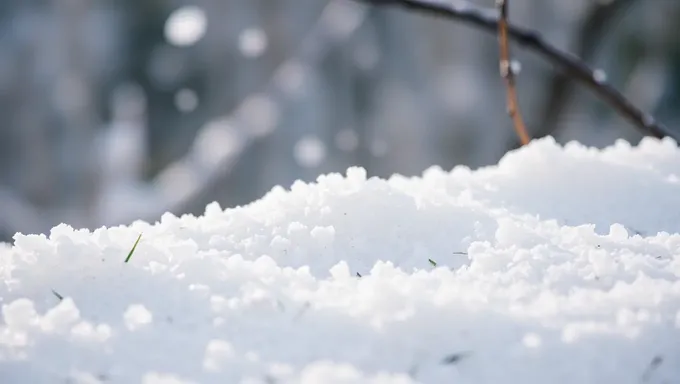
<point x="569" y="64"/>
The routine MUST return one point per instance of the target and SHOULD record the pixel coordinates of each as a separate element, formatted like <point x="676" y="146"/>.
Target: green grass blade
<point x="133" y="248"/>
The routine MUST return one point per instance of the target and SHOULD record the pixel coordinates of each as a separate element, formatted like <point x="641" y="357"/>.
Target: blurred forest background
<point x="117" y="110"/>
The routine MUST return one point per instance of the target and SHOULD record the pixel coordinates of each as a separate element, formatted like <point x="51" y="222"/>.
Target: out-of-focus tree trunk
<point x="73" y="97"/>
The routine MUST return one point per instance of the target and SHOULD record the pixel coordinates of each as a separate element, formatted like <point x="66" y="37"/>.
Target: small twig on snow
<point x="653" y="365"/>
<point x="508" y="73"/>
<point x="455" y="358"/>
<point x="57" y="295"/>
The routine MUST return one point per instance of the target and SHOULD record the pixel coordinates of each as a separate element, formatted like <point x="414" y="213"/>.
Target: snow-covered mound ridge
<point x="558" y="265"/>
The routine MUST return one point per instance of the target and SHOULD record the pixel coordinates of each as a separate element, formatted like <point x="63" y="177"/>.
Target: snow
<point x="292" y="78"/>
<point x="309" y="151"/>
<point x="347" y="140"/>
<point x="515" y="67"/>
<point x="260" y="113"/>
<point x="600" y="76"/>
<point x="186" y="100"/>
<point x="558" y="265"/>
<point x="217" y="140"/>
<point x="185" y="26"/>
<point x="252" y="42"/>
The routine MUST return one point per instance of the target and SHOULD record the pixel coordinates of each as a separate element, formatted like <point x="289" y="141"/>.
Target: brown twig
<point x="569" y="64"/>
<point x="508" y="73"/>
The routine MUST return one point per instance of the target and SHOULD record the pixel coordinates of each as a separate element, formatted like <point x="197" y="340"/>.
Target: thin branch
<point x="508" y="73"/>
<point x="571" y="65"/>
<point x="588" y="38"/>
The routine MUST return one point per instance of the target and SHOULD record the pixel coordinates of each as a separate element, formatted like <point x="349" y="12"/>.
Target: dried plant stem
<point x="508" y="73"/>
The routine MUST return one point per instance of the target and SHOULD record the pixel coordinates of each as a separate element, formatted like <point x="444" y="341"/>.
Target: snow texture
<point x="558" y="265"/>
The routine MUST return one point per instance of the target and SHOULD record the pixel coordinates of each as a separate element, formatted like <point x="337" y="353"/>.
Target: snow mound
<point x="558" y="265"/>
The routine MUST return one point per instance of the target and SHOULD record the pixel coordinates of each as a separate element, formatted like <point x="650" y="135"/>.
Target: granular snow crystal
<point x="561" y="264"/>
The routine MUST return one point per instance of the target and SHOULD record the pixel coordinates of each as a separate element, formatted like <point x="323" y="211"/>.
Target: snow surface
<point x="559" y="265"/>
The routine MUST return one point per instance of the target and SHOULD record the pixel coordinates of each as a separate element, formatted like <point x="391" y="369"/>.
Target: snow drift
<point x="558" y="265"/>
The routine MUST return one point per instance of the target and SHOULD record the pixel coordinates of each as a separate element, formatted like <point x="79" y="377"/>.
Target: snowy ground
<point x="559" y="265"/>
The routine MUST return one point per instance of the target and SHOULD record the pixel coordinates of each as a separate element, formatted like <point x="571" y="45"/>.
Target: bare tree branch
<point x="508" y="73"/>
<point x="588" y="38"/>
<point x="569" y="64"/>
